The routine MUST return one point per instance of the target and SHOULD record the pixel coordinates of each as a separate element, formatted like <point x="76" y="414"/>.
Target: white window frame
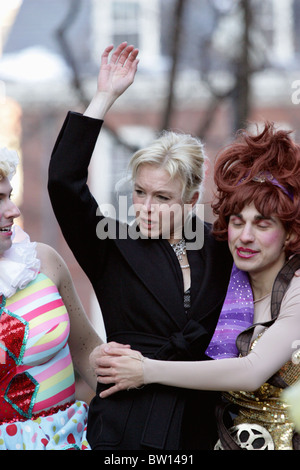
<point x="147" y="28"/>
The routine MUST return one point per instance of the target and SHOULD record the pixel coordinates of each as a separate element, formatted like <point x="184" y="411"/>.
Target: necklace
<point x="262" y="298"/>
<point x="179" y="250"/>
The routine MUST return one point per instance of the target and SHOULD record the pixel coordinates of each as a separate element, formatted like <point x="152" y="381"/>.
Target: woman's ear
<point x="290" y="238"/>
<point x="194" y="199"/>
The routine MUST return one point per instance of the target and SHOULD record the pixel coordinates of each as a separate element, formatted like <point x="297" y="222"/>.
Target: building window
<point x="134" y="21"/>
<point x="126" y="22"/>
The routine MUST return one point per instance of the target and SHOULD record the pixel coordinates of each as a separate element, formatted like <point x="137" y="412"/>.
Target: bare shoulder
<point x="52" y="264"/>
<point x="47" y="254"/>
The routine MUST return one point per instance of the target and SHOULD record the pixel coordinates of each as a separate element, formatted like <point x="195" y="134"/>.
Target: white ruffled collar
<point x="19" y="264"/>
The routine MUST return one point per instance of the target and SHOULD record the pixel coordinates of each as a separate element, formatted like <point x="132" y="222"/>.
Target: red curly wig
<point x="237" y="167"/>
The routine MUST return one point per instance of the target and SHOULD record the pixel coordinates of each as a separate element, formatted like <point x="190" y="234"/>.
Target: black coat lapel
<point x="155" y="264"/>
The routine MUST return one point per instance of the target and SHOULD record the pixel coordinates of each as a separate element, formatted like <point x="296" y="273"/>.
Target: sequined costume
<point x="37" y="386"/>
<point x="273" y="426"/>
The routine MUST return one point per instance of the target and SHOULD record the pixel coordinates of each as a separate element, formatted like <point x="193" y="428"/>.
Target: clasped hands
<point x="117" y="364"/>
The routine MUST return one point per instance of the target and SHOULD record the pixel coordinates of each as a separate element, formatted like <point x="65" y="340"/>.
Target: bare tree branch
<point x="243" y="70"/>
<point x="241" y="97"/>
<point x="215" y="103"/>
<point x="67" y="52"/>
<point x="72" y="13"/>
<point x="177" y="31"/>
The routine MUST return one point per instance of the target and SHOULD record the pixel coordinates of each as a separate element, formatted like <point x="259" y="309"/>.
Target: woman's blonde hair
<point x="8" y="163"/>
<point x="181" y="155"/>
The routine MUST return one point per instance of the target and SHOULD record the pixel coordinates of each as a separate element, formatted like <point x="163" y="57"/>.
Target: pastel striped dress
<point x="37" y="384"/>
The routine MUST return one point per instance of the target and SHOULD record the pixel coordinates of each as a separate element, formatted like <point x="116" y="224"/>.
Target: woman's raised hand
<point x="116" y="74"/>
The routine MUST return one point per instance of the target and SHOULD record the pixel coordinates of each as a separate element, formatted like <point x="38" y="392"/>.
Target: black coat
<point x="139" y="286"/>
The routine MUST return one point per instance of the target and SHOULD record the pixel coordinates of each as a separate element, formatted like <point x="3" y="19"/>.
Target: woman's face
<point x="158" y="204"/>
<point x="8" y="212"/>
<point x="256" y="243"/>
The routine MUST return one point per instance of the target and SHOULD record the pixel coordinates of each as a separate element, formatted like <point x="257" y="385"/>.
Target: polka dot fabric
<point x="64" y="430"/>
<point x="236" y="315"/>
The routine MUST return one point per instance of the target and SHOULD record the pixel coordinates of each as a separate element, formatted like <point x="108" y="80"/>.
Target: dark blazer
<point x="139" y="286"/>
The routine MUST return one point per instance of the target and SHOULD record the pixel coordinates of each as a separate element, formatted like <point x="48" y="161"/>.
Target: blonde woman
<point x="160" y="282"/>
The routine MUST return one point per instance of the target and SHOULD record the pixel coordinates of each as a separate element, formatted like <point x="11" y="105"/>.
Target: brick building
<point x="37" y="88"/>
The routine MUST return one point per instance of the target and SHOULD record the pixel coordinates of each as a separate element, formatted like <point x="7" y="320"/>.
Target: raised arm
<point x="74" y="206"/>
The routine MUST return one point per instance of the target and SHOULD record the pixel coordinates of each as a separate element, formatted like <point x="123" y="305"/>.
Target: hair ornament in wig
<point x="8" y="163"/>
<point x="264" y="176"/>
